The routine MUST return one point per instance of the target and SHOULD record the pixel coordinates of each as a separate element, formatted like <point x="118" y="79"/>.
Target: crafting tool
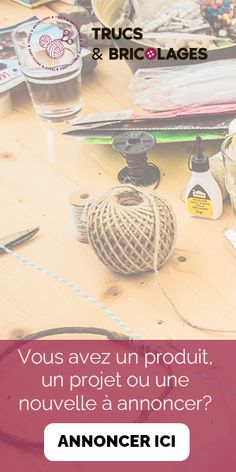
<point x="230" y="235"/>
<point x="134" y="147"/>
<point x="17" y="238"/>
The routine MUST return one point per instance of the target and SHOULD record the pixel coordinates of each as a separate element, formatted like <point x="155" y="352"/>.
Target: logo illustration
<point x="55" y="48"/>
<point x="62" y="41"/>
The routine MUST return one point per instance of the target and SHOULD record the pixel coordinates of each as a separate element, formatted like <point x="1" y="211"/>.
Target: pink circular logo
<point x="55" y="47"/>
<point x="150" y="54"/>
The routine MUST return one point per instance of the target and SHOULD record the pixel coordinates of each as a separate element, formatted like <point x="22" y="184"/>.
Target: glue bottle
<point x="203" y="194"/>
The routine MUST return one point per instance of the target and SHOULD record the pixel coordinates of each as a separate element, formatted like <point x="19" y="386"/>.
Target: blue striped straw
<point x="75" y="288"/>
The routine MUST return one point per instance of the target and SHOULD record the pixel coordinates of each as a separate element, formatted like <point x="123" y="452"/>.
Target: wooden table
<point x="39" y="168"/>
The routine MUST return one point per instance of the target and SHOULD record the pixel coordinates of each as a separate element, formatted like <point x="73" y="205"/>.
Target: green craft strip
<point x="167" y="137"/>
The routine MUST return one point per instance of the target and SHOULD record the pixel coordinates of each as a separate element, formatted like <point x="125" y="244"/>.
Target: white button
<point x="94" y="442"/>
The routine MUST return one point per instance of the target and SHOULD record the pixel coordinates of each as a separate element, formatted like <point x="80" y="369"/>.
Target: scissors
<point x="17" y="238"/>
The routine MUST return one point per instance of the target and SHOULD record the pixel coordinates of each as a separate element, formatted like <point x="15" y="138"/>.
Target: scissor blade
<point x="17" y="238"/>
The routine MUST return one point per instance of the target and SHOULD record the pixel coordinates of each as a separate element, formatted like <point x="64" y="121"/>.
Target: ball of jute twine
<point x="131" y="230"/>
<point x="134" y="231"/>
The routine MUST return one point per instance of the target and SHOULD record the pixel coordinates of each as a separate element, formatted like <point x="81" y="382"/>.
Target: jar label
<point x="199" y="202"/>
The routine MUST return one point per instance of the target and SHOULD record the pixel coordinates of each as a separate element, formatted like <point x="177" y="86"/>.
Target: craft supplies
<point x="152" y="122"/>
<point x="164" y="137"/>
<point x="229" y="158"/>
<point x="134" y="147"/>
<point x="169" y="126"/>
<point x="170" y="88"/>
<point x="17" y="238"/>
<point x="5" y="104"/>
<point x="171" y="15"/>
<point x="203" y="194"/>
<point x="79" y="204"/>
<point x="218" y="172"/>
<point x="131" y="231"/>
<point x="219" y="13"/>
<point x="72" y="286"/>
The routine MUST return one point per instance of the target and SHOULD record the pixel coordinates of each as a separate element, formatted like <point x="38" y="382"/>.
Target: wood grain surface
<point x="39" y="168"/>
